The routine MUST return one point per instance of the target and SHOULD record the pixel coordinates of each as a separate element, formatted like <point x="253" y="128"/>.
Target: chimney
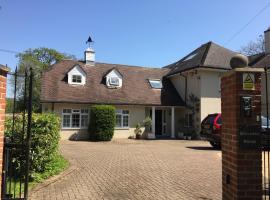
<point x="89" y="56"/>
<point x="267" y="41"/>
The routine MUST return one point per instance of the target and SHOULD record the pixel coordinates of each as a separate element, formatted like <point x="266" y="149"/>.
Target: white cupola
<point x="89" y="56"/>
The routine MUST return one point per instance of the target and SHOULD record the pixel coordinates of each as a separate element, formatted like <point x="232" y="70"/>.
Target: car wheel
<point x="215" y="145"/>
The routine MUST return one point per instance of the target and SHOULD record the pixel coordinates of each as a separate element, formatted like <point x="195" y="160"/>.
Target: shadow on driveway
<point x="204" y="148"/>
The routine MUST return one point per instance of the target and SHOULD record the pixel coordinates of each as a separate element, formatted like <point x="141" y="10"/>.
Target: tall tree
<point x="38" y="59"/>
<point x="253" y="47"/>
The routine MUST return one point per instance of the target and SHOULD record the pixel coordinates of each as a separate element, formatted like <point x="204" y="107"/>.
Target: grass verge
<point x="53" y="168"/>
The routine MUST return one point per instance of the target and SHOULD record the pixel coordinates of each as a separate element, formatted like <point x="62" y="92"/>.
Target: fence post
<point x="3" y="86"/>
<point x="241" y="110"/>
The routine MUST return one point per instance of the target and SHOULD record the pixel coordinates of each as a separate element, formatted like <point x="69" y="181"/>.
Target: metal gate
<point x="265" y="139"/>
<point x="16" y="156"/>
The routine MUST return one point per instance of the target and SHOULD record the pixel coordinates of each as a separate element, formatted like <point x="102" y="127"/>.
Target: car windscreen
<point x="210" y="119"/>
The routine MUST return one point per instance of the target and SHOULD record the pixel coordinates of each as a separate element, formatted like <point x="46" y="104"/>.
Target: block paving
<point x="135" y="169"/>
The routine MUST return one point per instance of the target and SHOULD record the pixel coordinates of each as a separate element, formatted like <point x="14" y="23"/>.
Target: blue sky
<point x="138" y="32"/>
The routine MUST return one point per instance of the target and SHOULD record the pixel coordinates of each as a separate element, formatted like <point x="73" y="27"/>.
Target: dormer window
<point x="114" y="81"/>
<point x="76" y="79"/>
<point x="76" y="75"/>
<point x="155" y="83"/>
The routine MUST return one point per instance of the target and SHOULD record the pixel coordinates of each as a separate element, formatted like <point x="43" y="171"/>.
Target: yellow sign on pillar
<point x="248" y="81"/>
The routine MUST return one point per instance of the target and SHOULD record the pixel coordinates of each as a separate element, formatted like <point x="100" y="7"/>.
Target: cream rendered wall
<point x="205" y="85"/>
<point x="193" y="83"/>
<point x="71" y="133"/>
<point x="136" y="115"/>
<point x="179" y="84"/>
<point x="193" y="87"/>
<point x="210" y="93"/>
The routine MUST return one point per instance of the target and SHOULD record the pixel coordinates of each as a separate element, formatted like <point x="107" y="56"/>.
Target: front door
<point x="158" y="122"/>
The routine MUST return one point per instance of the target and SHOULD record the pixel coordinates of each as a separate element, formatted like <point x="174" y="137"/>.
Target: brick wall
<point x="3" y="80"/>
<point x="241" y="169"/>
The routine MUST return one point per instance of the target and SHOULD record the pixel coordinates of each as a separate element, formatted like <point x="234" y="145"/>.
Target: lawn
<point x="53" y="168"/>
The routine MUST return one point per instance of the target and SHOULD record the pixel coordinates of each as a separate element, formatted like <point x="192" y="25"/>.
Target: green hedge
<point x="101" y="127"/>
<point x="45" y="139"/>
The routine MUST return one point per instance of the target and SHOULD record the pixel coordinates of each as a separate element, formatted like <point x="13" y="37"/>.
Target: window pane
<point x="125" y="121"/>
<point x="84" y="110"/>
<point x="164" y="116"/>
<point x="84" y="120"/>
<point x="76" y="111"/>
<point x="125" y="112"/>
<point x="118" y="121"/>
<point x="157" y="84"/>
<point x="186" y="120"/>
<point x="118" y="111"/>
<point x="190" y="120"/>
<point x="219" y="121"/>
<point x="66" y="120"/>
<point x="164" y="129"/>
<point x="75" y="120"/>
<point x="76" y="79"/>
<point x="66" y="110"/>
<point x="114" y="81"/>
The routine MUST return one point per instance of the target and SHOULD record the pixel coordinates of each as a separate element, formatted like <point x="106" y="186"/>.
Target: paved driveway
<point x="132" y="169"/>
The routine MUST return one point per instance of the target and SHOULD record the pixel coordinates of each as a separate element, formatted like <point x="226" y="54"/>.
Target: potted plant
<point x="138" y="131"/>
<point x="147" y="122"/>
<point x="180" y="135"/>
<point x="188" y="134"/>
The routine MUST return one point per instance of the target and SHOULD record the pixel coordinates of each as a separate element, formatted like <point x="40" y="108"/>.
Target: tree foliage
<point x="38" y="59"/>
<point x="253" y="47"/>
<point x="44" y="143"/>
<point x="9" y="105"/>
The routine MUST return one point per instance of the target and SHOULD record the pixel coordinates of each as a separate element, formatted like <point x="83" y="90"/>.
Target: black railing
<point x="15" y="177"/>
<point x="266" y="144"/>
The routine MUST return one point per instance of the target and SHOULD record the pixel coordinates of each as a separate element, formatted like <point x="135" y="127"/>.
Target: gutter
<point x="199" y="67"/>
<point x="53" y="102"/>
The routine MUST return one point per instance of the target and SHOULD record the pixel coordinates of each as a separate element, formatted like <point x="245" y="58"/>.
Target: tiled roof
<point x="209" y="55"/>
<point x="136" y="89"/>
<point x="263" y="61"/>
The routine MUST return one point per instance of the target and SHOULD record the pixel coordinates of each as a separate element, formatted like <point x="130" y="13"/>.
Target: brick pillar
<point x="3" y="84"/>
<point x="241" y="167"/>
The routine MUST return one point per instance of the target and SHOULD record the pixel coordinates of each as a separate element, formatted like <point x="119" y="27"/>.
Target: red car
<point x="211" y="129"/>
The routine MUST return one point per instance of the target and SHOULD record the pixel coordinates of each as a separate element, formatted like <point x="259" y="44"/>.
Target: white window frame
<point x="75" y="111"/>
<point x="77" y="75"/>
<point x="155" y="80"/>
<point x="121" y="113"/>
<point x="114" y="81"/>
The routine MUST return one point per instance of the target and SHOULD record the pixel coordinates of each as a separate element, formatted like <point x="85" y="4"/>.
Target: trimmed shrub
<point x="44" y="142"/>
<point x="102" y="122"/>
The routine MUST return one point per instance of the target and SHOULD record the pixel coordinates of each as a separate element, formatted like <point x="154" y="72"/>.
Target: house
<point x="177" y="97"/>
<point x="197" y="79"/>
<point x="70" y="87"/>
<point x="263" y="60"/>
